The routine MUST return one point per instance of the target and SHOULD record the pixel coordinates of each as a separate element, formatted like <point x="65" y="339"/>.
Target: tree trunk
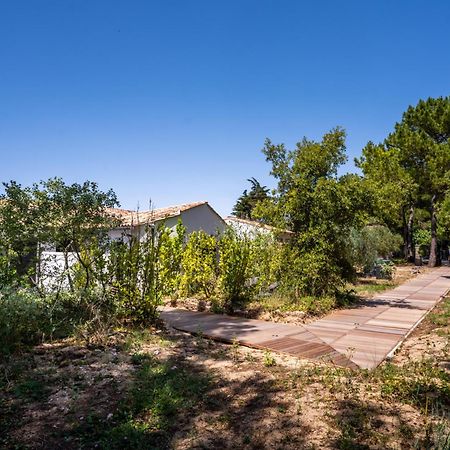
<point x="434" y="256"/>
<point x="410" y="239"/>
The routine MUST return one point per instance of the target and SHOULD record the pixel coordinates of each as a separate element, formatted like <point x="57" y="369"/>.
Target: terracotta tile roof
<point x="255" y="224"/>
<point x="129" y="217"/>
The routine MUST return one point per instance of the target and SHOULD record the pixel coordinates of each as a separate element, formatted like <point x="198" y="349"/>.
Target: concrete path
<point x="362" y="336"/>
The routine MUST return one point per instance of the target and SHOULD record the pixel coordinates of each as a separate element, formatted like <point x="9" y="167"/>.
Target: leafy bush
<point x="25" y="318"/>
<point x="267" y="261"/>
<point x="135" y="278"/>
<point x="199" y="265"/>
<point x="422" y="238"/>
<point x="170" y="258"/>
<point x="384" y="269"/>
<point x="370" y="243"/>
<point x="28" y="318"/>
<point x="308" y="271"/>
<point x="234" y="269"/>
<point x="8" y="271"/>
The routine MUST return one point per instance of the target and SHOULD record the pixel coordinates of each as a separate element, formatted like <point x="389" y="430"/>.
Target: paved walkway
<point x="362" y="336"/>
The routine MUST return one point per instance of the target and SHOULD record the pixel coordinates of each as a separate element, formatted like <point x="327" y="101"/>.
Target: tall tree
<point x="422" y="139"/>
<point x="318" y="206"/>
<point x="246" y="203"/>
<point x="392" y="189"/>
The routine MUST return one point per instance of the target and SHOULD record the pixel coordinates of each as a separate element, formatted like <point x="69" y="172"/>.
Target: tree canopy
<point x="246" y="203"/>
<point x="318" y="206"/>
<point x="51" y="212"/>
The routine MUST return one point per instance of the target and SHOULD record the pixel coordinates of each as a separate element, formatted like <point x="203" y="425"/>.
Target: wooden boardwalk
<point x="362" y="336"/>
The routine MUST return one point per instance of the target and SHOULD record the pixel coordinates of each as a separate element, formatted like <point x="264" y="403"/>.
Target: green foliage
<point x="50" y="212"/>
<point x="160" y="393"/>
<point x="309" y="271"/>
<point x="390" y="185"/>
<point x="247" y="202"/>
<point x="418" y="382"/>
<point x="234" y="269"/>
<point x="269" y="360"/>
<point x="267" y="260"/>
<point x="422" y="139"/>
<point x="442" y="318"/>
<point x="199" y="265"/>
<point x="25" y="318"/>
<point x="170" y="259"/>
<point x="319" y="207"/>
<point x="370" y="243"/>
<point x="422" y="237"/>
<point x="31" y="389"/>
<point x="8" y="269"/>
<point x="136" y="283"/>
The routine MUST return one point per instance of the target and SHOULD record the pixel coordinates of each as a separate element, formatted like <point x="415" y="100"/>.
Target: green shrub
<point x="309" y="271"/>
<point x="135" y="275"/>
<point x="170" y="259"/>
<point x="199" y="265"/>
<point x="368" y="244"/>
<point x="235" y="271"/>
<point x="267" y="261"/>
<point x="8" y="271"/>
<point x="25" y="318"/>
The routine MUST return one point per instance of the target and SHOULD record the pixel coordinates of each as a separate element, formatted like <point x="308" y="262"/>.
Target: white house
<point x="194" y="216"/>
<point x="252" y="228"/>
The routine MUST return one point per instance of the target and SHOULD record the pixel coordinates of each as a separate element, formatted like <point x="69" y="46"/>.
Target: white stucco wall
<point x="53" y="271"/>
<point x="118" y="233"/>
<point x="203" y="218"/>
<point x="246" y="229"/>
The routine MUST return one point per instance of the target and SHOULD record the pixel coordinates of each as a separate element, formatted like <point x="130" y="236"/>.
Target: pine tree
<point x="248" y="200"/>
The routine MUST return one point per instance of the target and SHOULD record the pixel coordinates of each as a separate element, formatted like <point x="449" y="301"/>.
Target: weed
<point x="269" y="359"/>
<point x="235" y="347"/>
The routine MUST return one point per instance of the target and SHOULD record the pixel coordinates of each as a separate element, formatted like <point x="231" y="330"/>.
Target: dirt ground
<point x="207" y="395"/>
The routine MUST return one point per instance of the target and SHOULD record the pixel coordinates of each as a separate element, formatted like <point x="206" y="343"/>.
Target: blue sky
<point x="172" y="100"/>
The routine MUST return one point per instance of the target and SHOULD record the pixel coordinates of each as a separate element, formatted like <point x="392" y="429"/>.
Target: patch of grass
<point x="420" y="383"/>
<point x="161" y="395"/>
<point x="371" y="286"/>
<point x="353" y="425"/>
<point x="31" y="389"/>
<point x="441" y="316"/>
<point x="137" y="338"/>
<point x="308" y="305"/>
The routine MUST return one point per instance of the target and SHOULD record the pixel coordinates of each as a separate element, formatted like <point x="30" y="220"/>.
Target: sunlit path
<point x="362" y="336"/>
